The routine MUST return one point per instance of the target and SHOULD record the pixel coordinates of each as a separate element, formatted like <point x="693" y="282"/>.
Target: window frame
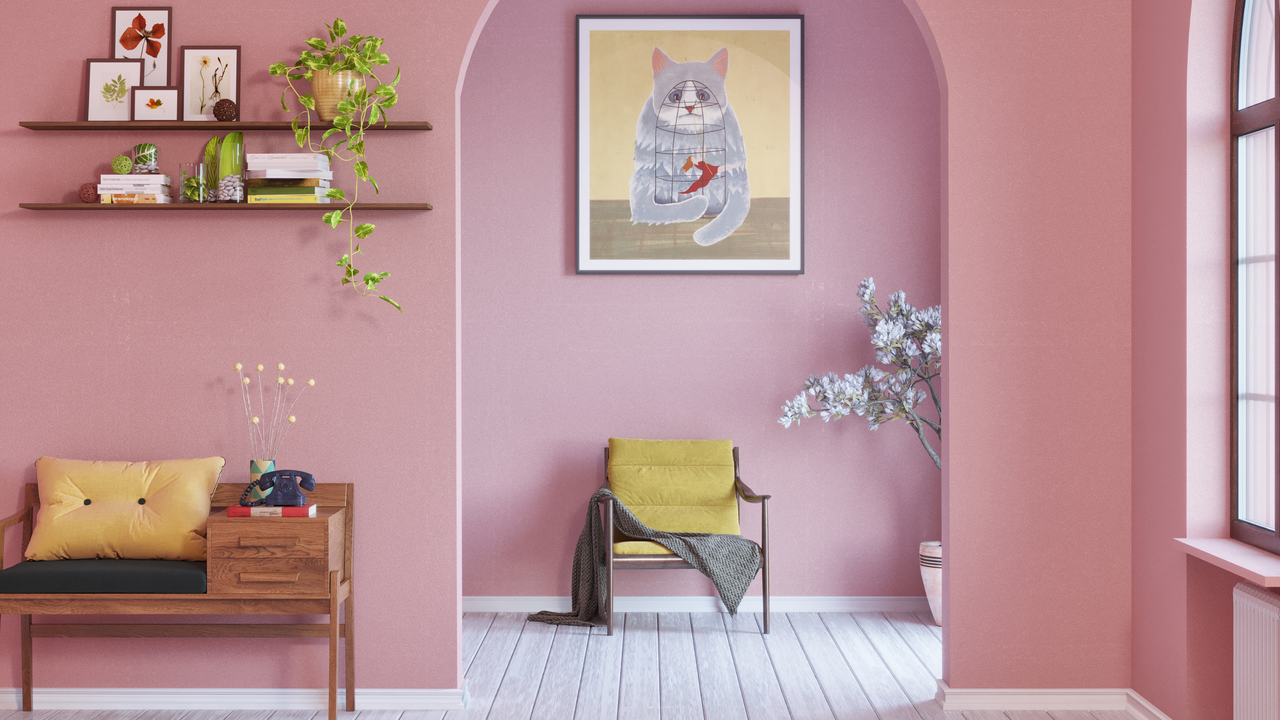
<point x="1243" y="122"/>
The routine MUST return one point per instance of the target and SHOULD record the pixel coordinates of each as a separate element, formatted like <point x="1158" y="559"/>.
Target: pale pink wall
<point x="555" y="363"/>
<point x="1038" y="313"/>
<point x="120" y="332"/>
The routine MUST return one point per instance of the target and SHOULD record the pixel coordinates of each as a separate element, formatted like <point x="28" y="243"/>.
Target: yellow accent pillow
<point x="142" y="511"/>
<point x="675" y="485"/>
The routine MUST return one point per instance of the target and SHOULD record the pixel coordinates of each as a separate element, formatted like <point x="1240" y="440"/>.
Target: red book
<point x="270" y="511"/>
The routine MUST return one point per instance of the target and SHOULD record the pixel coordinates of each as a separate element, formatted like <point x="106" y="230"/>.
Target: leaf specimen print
<point x="115" y="90"/>
<point x="154" y="103"/>
<point x="138" y="33"/>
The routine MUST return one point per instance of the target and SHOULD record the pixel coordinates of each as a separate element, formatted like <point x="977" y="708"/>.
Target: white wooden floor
<point x="677" y="666"/>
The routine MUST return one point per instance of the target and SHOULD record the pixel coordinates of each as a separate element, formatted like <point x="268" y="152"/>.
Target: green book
<point x="287" y="191"/>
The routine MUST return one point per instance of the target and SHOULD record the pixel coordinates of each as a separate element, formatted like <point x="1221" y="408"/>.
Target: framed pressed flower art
<point x="209" y="74"/>
<point x="107" y="85"/>
<point x="153" y="103"/>
<point x="144" y="33"/>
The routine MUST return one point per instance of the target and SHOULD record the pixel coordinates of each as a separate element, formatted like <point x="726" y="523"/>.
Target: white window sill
<point x="1257" y="566"/>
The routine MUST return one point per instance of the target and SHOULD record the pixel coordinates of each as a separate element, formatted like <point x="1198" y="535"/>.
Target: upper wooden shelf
<point x="206" y="126"/>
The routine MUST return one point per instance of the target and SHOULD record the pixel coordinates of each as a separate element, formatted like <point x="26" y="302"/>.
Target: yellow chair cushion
<point x="640" y="547"/>
<point x="675" y="486"/>
<point x="141" y="511"/>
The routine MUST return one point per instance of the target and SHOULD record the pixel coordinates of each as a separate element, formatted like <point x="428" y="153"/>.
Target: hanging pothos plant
<point x="363" y="106"/>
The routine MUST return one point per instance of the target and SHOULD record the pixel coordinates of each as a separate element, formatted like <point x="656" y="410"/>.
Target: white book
<point x="133" y="189"/>
<point x="286" y="157"/>
<point x="299" y="167"/>
<point x="322" y="174"/>
<point x="134" y="179"/>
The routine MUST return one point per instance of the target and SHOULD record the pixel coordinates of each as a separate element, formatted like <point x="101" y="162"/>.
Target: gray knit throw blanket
<point x="731" y="561"/>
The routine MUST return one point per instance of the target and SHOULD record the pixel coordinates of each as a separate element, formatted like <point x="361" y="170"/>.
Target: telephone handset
<point x="280" y="488"/>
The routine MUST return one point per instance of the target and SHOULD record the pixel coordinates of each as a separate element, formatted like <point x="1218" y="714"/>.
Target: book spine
<point x="269" y="511"/>
<point x="287" y="191"/>
<point x="133" y="189"/>
<point x="134" y="179"/>
<point x="286" y="183"/>
<point x="286" y="157"/>
<point x="290" y="174"/>
<point x="134" y="199"/>
<point x="268" y="199"/>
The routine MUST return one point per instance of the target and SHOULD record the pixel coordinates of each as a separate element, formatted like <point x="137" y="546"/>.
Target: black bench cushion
<point x="104" y="576"/>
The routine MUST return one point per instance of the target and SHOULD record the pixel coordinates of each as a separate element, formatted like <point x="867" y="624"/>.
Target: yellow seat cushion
<point x="640" y="547"/>
<point x="676" y="485"/>
<point x="140" y="511"/>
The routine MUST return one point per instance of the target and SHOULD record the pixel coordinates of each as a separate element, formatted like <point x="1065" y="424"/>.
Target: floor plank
<point x="484" y="676"/>
<point x="294" y="714"/>
<point x="1072" y="715"/>
<point x="800" y="686"/>
<point x="474" y="627"/>
<point x="558" y="696"/>
<point x="917" y="682"/>
<point x="717" y="675"/>
<point x="926" y="645"/>
<point x="760" y="690"/>
<point x="984" y="715"/>
<point x="367" y="714"/>
<point x="1027" y="715"/>
<point x="520" y="684"/>
<point x="843" y="693"/>
<point x="601" y="675"/>
<point x="926" y="619"/>
<point x="205" y="715"/>
<point x="422" y="715"/>
<point x="681" y="697"/>
<point x="640" y="697"/>
<point x="1112" y="715"/>
<point x="882" y="689"/>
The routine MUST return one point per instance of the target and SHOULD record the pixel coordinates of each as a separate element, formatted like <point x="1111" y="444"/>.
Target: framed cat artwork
<point x="690" y="144"/>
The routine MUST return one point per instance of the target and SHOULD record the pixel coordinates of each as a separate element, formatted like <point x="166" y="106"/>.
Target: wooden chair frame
<point x="339" y="592"/>
<point x="674" y="562"/>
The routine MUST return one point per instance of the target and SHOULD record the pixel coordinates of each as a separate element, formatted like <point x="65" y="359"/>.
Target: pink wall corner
<point x="121" y="331"/>
<point x="555" y="363"/>
<point x="1038" y="274"/>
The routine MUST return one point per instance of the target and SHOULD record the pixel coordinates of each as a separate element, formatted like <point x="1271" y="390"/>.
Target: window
<point x="1255" y="115"/>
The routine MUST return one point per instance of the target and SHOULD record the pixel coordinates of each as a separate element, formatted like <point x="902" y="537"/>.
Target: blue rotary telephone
<point x="280" y="488"/>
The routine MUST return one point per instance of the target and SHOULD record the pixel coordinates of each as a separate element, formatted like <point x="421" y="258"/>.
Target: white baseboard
<point x="704" y="603"/>
<point x="1045" y="699"/>
<point x="230" y="699"/>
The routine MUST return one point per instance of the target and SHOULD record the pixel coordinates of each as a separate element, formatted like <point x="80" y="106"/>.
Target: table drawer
<point x="287" y="576"/>
<point x="269" y="539"/>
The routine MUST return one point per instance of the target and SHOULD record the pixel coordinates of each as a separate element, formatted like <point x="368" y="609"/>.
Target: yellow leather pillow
<point x="142" y="511"/>
<point x="675" y="486"/>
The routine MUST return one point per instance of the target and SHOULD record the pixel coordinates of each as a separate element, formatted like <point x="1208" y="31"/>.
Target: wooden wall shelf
<point x="225" y="207"/>
<point x="206" y="126"/>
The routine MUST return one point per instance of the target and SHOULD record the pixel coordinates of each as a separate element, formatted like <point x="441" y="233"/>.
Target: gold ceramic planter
<point x="328" y="89"/>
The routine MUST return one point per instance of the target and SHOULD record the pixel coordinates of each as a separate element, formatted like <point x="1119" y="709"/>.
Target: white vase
<point x="931" y="573"/>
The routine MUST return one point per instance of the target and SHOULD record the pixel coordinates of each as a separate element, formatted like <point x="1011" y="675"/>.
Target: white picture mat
<point x="168" y="110"/>
<point x="159" y="74"/>
<point x="794" y="262"/>
<point x="193" y="88"/>
<point x="99" y="74"/>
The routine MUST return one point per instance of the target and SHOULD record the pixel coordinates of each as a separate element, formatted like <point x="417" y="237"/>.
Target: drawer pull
<point x="269" y="577"/>
<point x="269" y="542"/>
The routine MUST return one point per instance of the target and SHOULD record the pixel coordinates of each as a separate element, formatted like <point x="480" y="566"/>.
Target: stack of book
<point x="269" y="511"/>
<point x="288" y="177"/>
<point x="134" y="189"/>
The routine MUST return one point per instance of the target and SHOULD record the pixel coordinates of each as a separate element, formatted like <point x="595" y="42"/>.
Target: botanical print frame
<point x="721" y="117"/>
<point x="153" y="103"/>
<point x="107" y="85"/>
<point x="209" y="73"/>
<point x="137" y="32"/>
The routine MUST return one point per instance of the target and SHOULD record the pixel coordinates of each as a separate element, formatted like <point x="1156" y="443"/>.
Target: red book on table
<point x="271" y="511"/>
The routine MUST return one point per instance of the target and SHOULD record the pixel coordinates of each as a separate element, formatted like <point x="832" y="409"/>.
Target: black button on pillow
<point x="142" y="501"/>
<point x="87" y="501"/>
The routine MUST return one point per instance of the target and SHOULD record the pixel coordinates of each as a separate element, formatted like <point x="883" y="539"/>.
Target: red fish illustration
<point x="708" y="172"/>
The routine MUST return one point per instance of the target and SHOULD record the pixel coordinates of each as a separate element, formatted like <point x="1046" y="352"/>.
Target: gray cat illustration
<point x="690" y="159"/>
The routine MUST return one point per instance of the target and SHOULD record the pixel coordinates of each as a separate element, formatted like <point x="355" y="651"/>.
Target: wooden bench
<point x="255" y="566"/>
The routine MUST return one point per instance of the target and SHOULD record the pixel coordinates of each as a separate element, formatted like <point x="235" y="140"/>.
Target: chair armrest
<point x="14" y="519"/>
<point x="747" y="493"/>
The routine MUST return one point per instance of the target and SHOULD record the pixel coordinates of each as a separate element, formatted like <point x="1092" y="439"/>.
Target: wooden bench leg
<point x="350" y="648"/>
<point x="26" y="663"/>
<point x="333" y="645"/>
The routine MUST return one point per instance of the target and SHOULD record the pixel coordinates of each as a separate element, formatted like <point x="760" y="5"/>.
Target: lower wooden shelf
<point x="224" y="207"/>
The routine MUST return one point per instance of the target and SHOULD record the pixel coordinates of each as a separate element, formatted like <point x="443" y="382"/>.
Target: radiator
<point x="1256" y="641"/>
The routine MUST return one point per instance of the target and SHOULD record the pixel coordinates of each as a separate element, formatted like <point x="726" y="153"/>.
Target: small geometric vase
<point x="256" y="469"/>
<point x="931" y="574"/>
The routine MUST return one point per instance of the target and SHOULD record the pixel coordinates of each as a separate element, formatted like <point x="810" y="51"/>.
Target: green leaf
<point x="294" y="125"/>
<point x="278" y="69"/>
<point x="346" y="260"/>
<point x="317" y="44"/>
<point x="395" y="82"/>
<point x="389" y="102"/>
<point x="360" y="65"/>
<point x="339" y="27"/>
<point x="333" y="219"/>
<point x="299" y="76"/>
<point x="385" y="91"/>
<point x="378" y="58"/>
<point x="374" y="44"/>
<point x="361" y="169"/>
<point x="332" y="37"/>
<point x="394" y="304"/>
<point x="336" y="194"/>
<point x="353" y="252"/>
<point x="342" y="121"/>
<point x="283" y="105"/>
<point x="375" y="111"/>
<point x="327" y="133"/>
<point x="362" y="96"/>
<point x="357" y="147"/>
<point x="364" y="231"/>
<point x="300" y="137"/>
<point x="375" y="186"/>
<point x="307" y="101"/>
<point x="346" y="107"/>
<point x="371" y="280"/>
